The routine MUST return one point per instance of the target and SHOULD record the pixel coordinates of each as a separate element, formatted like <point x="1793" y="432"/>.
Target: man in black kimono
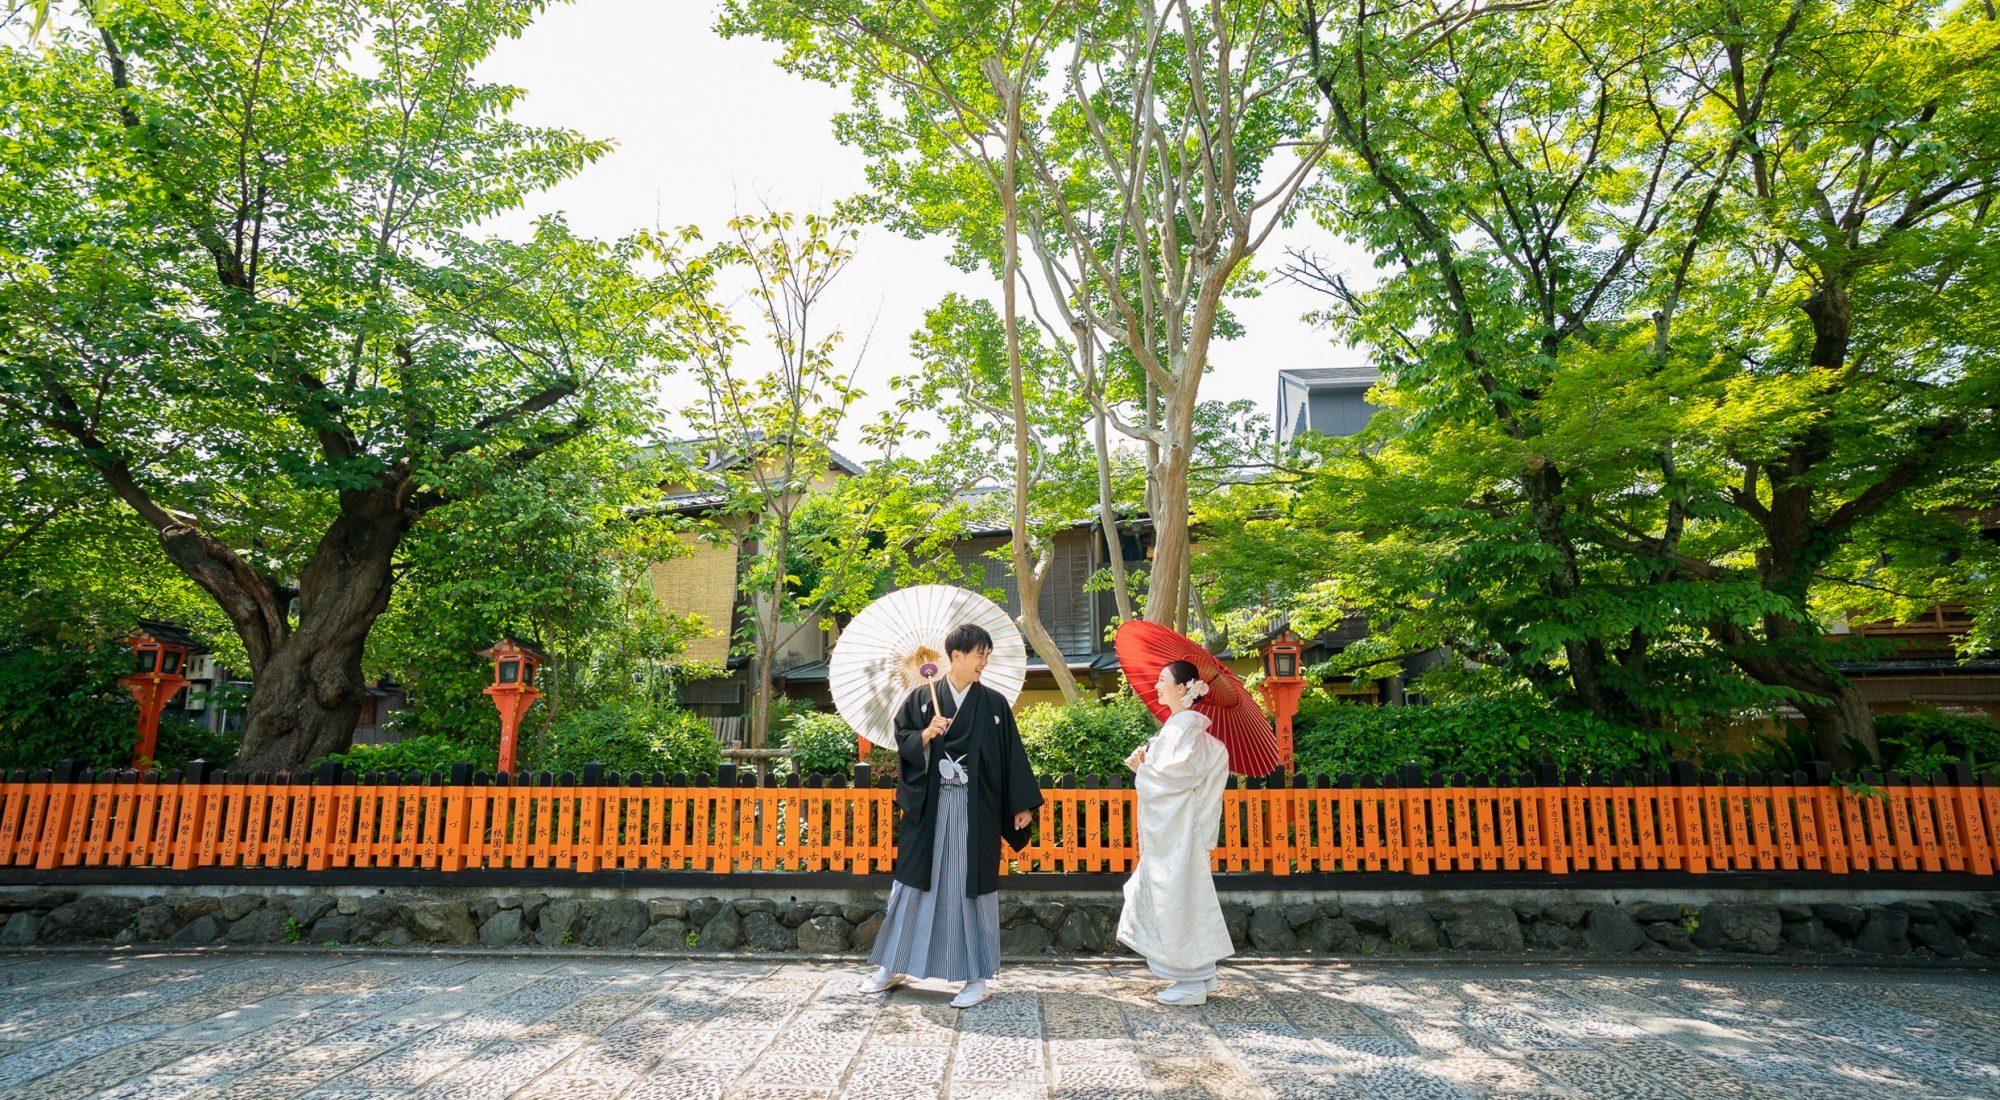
<point x="965" y="785"/>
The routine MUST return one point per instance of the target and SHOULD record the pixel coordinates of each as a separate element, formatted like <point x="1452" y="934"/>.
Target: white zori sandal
<point x="1184" y="993"/>
<point x="974" y="992"/>
<point x="881" y="981"/>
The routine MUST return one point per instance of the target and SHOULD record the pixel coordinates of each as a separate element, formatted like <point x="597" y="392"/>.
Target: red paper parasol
<point x="1233" y="715"/>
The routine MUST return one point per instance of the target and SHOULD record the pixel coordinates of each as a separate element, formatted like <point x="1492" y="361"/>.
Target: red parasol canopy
<point x="1233" y="716"/>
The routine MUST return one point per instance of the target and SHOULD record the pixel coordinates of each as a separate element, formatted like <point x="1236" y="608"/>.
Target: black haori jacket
<point x="1002" y="783"/>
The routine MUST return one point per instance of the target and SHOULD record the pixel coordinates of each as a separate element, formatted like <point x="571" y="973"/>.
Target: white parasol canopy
<point x="875" y="664"/>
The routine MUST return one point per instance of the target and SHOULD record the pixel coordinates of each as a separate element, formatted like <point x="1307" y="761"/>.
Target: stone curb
<point x="1436" y="959"/>
<point x="1043" y="927"/>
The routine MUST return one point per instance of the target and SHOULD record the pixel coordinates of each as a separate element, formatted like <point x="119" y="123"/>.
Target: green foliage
<point x="60" y="700"/>
<point x="1659" y="401"/>
<point x="424" y="754"/>
<point x="1927" y="738"/>
<point x="558" y="555"/>
<point x="183" y="739"/>
<point x="1505" y="735"/>
<point x="1917" y="742"/>
<point x="1020" y="131"/>
<point x="820" y="744"/>
<point x="252" y="295"/>
<point x="59" y="703"/>
<point x="628" y="737"/>
<point x="623" y="736"/>
<point x="1965" y="737"/>
<point x="765" y="434"/>
<point x="1087" y="737"/>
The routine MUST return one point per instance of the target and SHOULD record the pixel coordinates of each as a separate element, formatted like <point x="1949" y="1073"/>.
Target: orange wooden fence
<point x="1680" y="822"/>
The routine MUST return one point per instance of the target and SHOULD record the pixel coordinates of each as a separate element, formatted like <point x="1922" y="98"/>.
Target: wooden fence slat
<point x="1624" y="842"/>
<point x="1989" y="812"/>
<point x="1901" y="822"/>
<point x="1396" y="837"/>
<point x="1280" y="825"/>
<point x="166" y="819"/>
<point x="1971" y="827"/>
<point x="1555" y="834"/>
<point x="1686" y="815"/>
<point x="62" y="796"/>
<point x="1781" y="819"/>
<point x="101" y="811"/>
<point x="1930" y="853"/>
<point x="1428" y="819"/>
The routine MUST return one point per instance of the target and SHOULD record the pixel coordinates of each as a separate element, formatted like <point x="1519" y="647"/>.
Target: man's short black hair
<point x="967" y="638"/>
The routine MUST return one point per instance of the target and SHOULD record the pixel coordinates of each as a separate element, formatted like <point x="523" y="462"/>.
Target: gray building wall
<point x="1331" y="401"/>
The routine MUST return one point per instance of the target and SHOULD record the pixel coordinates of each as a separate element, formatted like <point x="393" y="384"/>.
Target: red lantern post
<point x="513" y="691"/>
<point x="1283" y="685"/>
<point x="159" y="672"/>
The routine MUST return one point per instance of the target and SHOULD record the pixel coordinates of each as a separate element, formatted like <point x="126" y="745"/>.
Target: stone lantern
<point x="1284" y="683"/>
<point x="513" y="691"/>
<point x="160" y="653"/>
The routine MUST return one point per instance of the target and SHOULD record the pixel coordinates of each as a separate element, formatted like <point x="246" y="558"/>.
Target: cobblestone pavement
<point x="354" y="1026"/>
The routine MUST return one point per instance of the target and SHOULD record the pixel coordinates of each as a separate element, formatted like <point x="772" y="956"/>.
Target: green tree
<point x="766" y="437"/>
<point x="1006" y="403"/>
<point x="1144" y="154"/>
<point x="1509" y="170"/>
<point x="891" y="527"/>
<point x="1669" y="329"/>
<point x="243" y="291"/>
<point x="1844" y="315"/>
<point x="557" y="554"/>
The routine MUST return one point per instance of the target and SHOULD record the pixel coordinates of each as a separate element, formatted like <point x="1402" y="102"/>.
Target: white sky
<point x="706" y="127"/>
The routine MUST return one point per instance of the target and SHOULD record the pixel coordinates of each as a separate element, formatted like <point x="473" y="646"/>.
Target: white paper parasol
<point x="875" y="663"/>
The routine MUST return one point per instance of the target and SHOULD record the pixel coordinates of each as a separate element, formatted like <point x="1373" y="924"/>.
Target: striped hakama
<point x="940" y="933"/>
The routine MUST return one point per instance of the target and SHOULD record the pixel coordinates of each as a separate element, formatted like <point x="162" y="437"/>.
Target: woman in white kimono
<point x="1171" y="913"/>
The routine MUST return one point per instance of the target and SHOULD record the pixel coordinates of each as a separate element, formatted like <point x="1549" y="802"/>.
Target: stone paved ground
<point x="355" y="1026"/>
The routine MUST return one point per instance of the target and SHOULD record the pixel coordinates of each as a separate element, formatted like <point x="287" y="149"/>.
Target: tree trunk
<point x="768" y="624"/>
<point x="1843" y="727"/>
<point x="1107" y="509"/>
<point x="1836" y="712"/>
<point x="1029" y="584"/>
<point x="1166" y="602"/>
<point x="309" y="686"/>
<point x="304" y="705"/>
<point x="1794" y="548"/>
<point x="1028" y="571"/>
<point x="1586" y="656"/>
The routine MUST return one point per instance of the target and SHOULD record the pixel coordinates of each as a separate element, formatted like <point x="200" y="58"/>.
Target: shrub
<point x="182" y="740"/>
<point x="59" y="702"/>
<point x="629" y="737"/>
<point x="1927" y="738"/>
<point x="63" y="702"/>
<point x="819" y="743"/>
<point x="1087" y="737"/>
<point x="1505" y="735"/>
<point x="1918" y="742"/>
<point x="426" y="754"/>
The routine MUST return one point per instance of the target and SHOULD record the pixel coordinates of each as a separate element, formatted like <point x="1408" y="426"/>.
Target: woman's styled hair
<point x="967" y="638"/>
<point x="1183" y="672"/>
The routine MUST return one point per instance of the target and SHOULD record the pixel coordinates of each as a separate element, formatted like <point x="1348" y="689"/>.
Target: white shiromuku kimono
<point x="1171" y="913"/>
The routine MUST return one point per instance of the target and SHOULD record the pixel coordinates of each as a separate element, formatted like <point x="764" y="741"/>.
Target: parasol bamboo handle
<point x="936" y="708"/>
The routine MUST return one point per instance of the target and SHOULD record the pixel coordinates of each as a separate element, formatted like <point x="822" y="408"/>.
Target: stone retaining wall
<point x="1045" y="927"/>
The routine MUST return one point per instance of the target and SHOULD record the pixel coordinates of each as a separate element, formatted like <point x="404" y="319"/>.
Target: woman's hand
<point x="1137" y="758"/>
